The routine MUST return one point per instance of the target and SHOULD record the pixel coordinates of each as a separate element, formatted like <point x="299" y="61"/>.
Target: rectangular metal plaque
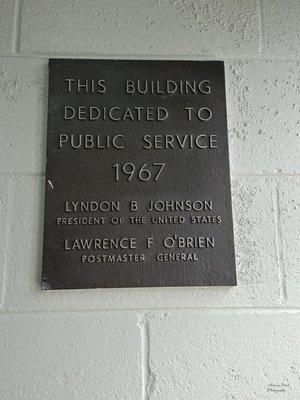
<point x="137" y="176"/>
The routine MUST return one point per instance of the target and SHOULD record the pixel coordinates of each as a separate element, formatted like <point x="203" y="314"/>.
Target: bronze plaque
<point x="137" y="175"/>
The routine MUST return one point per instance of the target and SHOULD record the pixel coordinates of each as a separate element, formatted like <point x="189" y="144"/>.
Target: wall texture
<point x="156" y="344"/>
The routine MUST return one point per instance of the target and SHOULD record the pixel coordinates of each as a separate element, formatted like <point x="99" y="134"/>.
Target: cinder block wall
<point x="164" y="344"/>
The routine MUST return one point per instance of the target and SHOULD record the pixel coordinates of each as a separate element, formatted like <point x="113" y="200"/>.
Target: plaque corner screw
<point x="50" y="184"/>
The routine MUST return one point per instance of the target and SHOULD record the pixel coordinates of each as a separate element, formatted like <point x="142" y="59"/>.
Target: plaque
<point x="137" y="176"/>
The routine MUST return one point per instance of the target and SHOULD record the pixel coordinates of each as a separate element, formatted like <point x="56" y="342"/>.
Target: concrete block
<point x="69" y="356"/>
<point x="256" y="254"/>
<point x="255" y="239"/>
<point x="281" y="28"/>
<point x="4" y="194"/>
<point x="289" y="237"/>
<point x="263" y="116"/>
<point x="232" y="356"/>
<point x="7" y="8"/>
<point x="23" y="100"/>
<point x="134" y="27"/>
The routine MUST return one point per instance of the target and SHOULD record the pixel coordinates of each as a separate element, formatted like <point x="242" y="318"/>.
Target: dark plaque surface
<point x="137" y="177"/>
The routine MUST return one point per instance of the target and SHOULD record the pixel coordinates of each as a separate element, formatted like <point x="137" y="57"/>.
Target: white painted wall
<point x="156" y="344"/>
